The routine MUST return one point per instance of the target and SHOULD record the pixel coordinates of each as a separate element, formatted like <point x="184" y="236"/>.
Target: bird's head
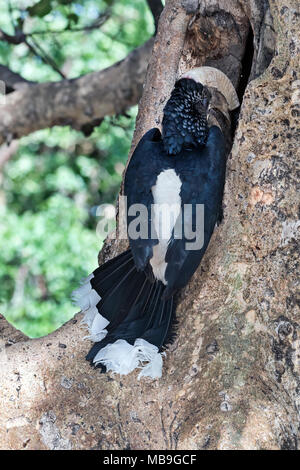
<point x="185" y="114"/>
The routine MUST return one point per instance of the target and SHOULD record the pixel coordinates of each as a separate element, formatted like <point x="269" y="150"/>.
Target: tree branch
<point x="12" y="80"/>
<point x="39" y="51"/>
<point x="102" y="18"/>
<point x="80" y="103"/>
<point x="162" y="73"/>
<point x="20" y="37"/>
<point x="9" y="334"/>
<point x="231" y="379"/>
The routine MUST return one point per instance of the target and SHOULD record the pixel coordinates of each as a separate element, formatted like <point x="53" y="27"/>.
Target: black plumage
<point x="202" y="172"/>
<point x="185" y="116"/>
<point x="136" y="299"/>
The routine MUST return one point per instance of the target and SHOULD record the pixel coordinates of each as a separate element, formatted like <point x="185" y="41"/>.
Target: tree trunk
<point x="231" y="379"/>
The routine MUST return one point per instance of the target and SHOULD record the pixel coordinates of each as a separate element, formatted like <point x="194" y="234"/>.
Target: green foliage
<point x="51" y="187"/>
<point x="129" y="24"/>
<point x="62" y="160"/>
<point x="49" y="225"/>
<point x="56" y="251"/>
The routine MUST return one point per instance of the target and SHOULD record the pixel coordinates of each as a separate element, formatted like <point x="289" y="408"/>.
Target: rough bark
<point x="81" y="103"/>
<point x="231" y="380"/>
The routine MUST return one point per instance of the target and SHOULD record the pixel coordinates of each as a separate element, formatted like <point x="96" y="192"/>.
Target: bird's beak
<point x="211" y="77"/>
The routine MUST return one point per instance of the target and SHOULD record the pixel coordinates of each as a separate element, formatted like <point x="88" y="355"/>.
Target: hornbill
<point x="128" y="302"/>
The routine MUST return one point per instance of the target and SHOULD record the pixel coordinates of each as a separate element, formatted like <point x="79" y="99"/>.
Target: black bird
<point x="129" y="301"/>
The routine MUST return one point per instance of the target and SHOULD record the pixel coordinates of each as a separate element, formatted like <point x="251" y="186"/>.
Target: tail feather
<point x="113" y="264"/>
<point x="121" y="298"/>
<point x="104" y="279"/>
<point x="136" y="322"/>
<point x="134" y="325"/>
<point x="160" y="328"/>
<point x="127" y="317"/>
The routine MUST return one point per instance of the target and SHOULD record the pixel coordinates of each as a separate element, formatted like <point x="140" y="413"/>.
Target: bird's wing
<point x="147" y="161"/>
<point x="202" y="172"/>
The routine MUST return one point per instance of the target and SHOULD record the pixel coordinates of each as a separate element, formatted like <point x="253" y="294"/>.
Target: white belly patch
<point x="166" y="209"/>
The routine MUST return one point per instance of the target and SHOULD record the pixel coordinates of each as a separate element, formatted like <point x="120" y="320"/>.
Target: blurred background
<point x="53" y="180"/>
